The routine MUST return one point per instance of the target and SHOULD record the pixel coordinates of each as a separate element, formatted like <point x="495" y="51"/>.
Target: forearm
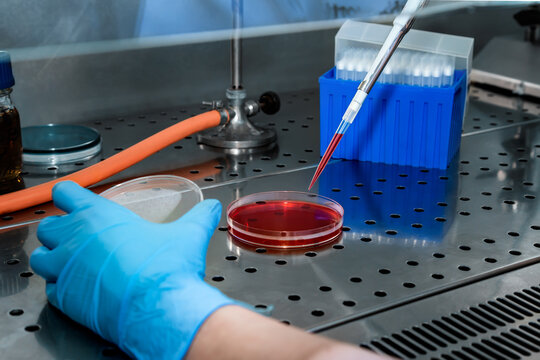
<point x="233" y="332"/>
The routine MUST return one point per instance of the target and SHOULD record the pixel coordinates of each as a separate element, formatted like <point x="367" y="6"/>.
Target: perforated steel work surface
<point x="498" y="318"/>
<point x="409" y="232"/>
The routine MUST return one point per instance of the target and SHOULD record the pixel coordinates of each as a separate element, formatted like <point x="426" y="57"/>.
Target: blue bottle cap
<point x="6" y="74"/>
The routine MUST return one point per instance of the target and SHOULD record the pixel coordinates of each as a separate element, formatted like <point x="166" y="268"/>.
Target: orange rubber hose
<point x="39" y="194"/>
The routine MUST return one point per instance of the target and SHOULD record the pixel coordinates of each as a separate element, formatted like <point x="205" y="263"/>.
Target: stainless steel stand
<point x="239" y="133"/>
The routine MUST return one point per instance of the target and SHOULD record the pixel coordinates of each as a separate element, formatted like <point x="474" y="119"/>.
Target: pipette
<point x="401" y="25"/>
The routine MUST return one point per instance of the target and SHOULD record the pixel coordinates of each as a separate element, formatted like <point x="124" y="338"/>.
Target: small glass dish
<point x="158" y="198"/>
<point x="285" y="219"/>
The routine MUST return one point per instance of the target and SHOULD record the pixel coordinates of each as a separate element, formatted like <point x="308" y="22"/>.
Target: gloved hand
<point x="135" y="283"/>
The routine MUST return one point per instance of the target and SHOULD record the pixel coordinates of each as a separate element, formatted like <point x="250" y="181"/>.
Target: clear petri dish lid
<point x="285" y="219"/>
<point x="158" y="198"/>
<point x="54" y="144"/>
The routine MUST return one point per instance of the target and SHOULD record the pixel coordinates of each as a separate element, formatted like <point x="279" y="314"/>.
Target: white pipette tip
<point x="354" y="106"/>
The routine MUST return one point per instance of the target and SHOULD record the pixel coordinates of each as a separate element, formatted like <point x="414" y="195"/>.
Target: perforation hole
<point x="349" y="303"/>
<point x="32" y="328"/>
<point x="218" y="278"/>
<point x="294" y="297"/>
<point x="355" y="279"/>
<point x="437" y="276"/>
<point x="250" y="270"/>
<point x="325" y="288"/>
<point x="464" y="268"/>
<point x="16" y="312"/>
<point x="380" y="293"/>
<point x="280" y="262"/>
<point x="231" y="257"/>
<point x="317" y="313"/>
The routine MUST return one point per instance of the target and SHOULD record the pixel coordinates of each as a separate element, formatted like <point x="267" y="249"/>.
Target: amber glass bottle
<point x="10" y="125"/>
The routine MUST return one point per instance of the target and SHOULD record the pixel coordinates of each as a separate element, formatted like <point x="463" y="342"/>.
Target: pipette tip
<point x="326" y="157"/>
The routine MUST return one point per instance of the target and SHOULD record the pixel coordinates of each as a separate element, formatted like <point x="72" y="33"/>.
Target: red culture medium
<point x="285" y="223"/>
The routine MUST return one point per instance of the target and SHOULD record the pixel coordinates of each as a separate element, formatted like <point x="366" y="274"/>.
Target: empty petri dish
<point x="159" y="198"/>
<point x="284" y="219"/>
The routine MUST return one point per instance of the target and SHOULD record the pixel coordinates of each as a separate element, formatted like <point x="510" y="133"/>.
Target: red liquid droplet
<point x="326" y="157"/>
<point x="285" y="223"/>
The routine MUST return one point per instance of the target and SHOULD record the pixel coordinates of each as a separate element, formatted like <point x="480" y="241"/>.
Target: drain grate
<point x="506" y="327"/>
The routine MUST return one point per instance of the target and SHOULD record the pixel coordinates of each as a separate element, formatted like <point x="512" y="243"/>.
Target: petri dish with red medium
<point x="285" y="219"/>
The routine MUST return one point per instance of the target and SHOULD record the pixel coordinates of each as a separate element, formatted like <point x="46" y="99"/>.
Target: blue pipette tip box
<point x="397" y="124"/>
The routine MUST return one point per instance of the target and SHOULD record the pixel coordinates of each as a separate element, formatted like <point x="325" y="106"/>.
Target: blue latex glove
<point x="135" y="283"/>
